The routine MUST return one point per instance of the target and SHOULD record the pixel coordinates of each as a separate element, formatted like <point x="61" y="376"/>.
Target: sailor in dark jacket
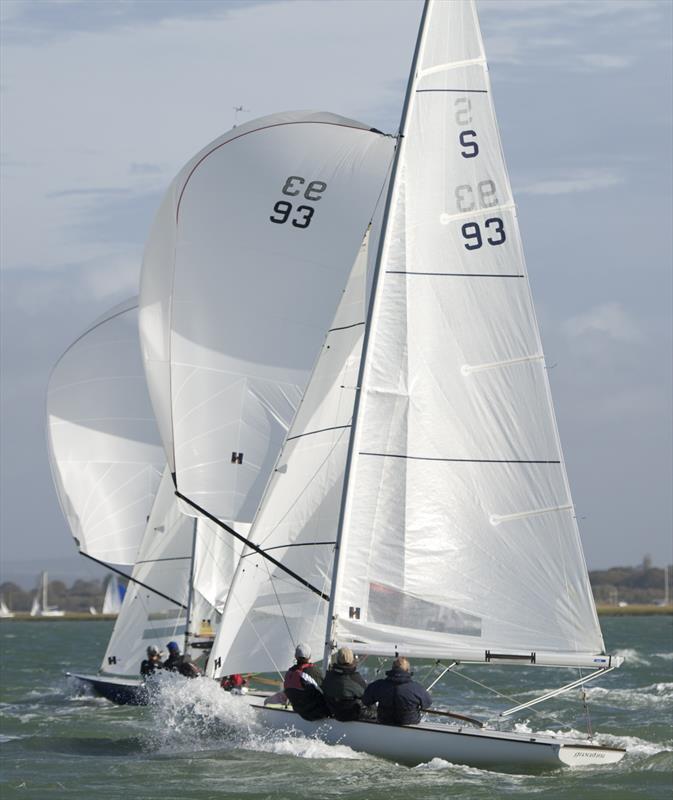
<point x="176" y="662"/>
<point x="343" y="687"/>
<point x="303" y="686"/>
<point x="400" y="699"/>
<point x="152" y="663"/>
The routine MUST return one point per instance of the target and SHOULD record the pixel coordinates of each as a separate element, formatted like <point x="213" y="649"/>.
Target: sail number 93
<point x="294" y="186"/>
<point x="494" y="230"/>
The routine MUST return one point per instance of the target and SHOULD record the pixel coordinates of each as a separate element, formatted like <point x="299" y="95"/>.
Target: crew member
<point x="302" y="686"/>
<point x="400" y="699"/>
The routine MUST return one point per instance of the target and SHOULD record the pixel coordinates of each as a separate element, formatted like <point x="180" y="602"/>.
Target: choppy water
<point x="198" y="742"/>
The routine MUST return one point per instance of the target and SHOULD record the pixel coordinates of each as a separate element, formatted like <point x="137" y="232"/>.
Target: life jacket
<point x="295" y="679"/>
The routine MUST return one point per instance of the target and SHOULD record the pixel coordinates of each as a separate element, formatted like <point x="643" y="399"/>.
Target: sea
<point x="197" y="741"/>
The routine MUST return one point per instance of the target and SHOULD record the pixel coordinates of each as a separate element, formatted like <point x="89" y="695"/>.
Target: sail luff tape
<point x="470" y="62"/>
<point x="468" y="369"/>
<point x="445" y="218"/>
<point x="496" y="519"/>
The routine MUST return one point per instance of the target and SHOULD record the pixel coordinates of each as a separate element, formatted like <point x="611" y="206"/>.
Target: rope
<point x="510" y="698"/>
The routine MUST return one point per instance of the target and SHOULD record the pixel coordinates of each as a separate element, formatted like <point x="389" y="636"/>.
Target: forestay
<point x="242" y="272"/>
<point x="104" y="446"/>
<point x="267" y="611"/>
<point x="459" y="536"/>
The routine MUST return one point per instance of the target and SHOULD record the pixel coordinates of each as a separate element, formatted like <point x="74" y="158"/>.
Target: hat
<point x="173" y="647"/>
<point x="302" y="650"/>
<point x="344" y="656"/>
<point x="152" y="650"/>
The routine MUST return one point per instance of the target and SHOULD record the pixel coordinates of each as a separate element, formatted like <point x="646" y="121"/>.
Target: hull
<point x="122" y="691"/>
<point x="418" y="744"/>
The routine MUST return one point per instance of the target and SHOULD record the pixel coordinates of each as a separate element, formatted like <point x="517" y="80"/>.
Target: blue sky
<point x="103" y="102"/>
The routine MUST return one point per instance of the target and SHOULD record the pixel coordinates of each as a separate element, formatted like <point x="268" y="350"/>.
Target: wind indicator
<point x="239" y="110"/>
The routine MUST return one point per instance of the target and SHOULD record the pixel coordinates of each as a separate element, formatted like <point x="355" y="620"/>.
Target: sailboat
<point x="40" y="606"/>
<point x="5" y="613"/>
<point x="114" y="595"/>
<point x="109" y="468"/>
<point x="437" y="521"/>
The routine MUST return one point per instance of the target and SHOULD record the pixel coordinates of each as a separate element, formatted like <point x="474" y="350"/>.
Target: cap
<point x="302" y="650"/>
<point x="152" y="650"/>
<point x="173" y="647"/>
<point x="344" y="656"/>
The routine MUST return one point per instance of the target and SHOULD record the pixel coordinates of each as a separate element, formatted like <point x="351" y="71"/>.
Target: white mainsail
<point x="268" y="611"/>
<point x="105" y="451"/>
<point x="458" y="536"/>
<point x="247" y="255"/>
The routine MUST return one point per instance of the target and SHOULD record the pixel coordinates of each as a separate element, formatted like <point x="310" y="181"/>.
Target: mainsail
<point x="105" y="452"/>
<point x="458" y="536"/>
<point x="245" y="261"/>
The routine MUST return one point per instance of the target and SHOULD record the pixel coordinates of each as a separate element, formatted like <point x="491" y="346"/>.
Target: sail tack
<point x="241" y="276"/>
<point x="459" y="532"/>
<point x="105" y="451"/>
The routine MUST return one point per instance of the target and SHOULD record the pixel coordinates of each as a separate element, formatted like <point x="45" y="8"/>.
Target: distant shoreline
<point x="603" y="611"/>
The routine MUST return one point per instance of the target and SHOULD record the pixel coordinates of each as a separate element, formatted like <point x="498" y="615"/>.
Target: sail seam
<point x="462" y="91"/>
<point x="284" y="546"/>
<point x="464" y="460"/>
<point x="452" y="274"/>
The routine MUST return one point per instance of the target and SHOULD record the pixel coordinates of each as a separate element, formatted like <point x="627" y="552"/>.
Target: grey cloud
<point x="94" y="192"/>
<point x="35" y="20"/>
<point x="145" y="169"/>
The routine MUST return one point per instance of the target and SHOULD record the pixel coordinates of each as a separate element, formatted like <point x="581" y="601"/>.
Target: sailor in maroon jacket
<point x="303" y="686"/>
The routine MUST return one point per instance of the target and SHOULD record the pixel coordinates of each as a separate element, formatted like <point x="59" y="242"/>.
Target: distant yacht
<point x="5" y="613"/>
<point x="114" y="594"/>
<point x="41" y="607"/>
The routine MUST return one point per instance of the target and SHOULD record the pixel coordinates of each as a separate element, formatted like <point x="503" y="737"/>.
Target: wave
<point x="632" y="744"/>
<point x="199" y="715"/>
<point x="639" y="697"/>
<point x="632" y="656"/>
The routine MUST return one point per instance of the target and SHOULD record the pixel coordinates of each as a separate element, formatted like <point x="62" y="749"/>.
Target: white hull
<point x="418" y="744"/>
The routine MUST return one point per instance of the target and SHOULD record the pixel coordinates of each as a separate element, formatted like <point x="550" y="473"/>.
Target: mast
<point x="190" y="596"/>
<point x="44" y="591"/>
<point x="370" y="312"/>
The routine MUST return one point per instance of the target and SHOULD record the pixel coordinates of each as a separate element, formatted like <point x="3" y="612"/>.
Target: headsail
<point x="459" y="536"/>
<point x="268" y="612"/>
<point x="104" y="447"/>
<point x="245" y="262"/>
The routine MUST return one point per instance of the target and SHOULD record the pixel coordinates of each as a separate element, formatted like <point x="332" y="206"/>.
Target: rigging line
<point x="462" y="460"/>
<point x="280" y="606"/>
<point x="135" y="580"/>
<point x="294" y="544"/>
<point x="320" y="430"/>
<point x="305" y="487"/>
<point x="252" y="545"/>
<point x="509" y="697"/>
<point x="345" y="327"/>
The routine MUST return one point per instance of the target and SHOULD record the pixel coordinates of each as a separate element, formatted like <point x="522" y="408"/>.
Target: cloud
<point x="587" y="180"/>
<point x="608" y="319"/>
<point x="604" y="61"/>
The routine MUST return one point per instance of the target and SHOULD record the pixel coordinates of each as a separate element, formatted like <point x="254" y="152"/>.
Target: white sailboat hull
<point x="418" y="744"/>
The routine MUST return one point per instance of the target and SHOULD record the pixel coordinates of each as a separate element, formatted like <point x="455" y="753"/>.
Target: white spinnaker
<point x="246" y="258"/>
<point x="268" y="612"/>
<point x="105" y="451"/>
<point x="459" y="532"/>
<point x="164" y="563"/>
